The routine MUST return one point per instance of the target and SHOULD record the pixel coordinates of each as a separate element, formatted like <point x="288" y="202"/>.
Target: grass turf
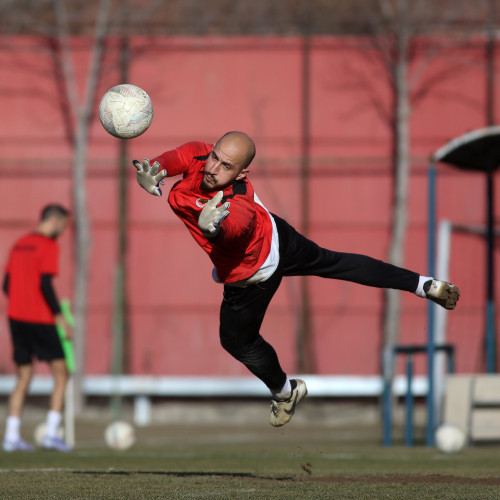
<point x="256" y="462"/>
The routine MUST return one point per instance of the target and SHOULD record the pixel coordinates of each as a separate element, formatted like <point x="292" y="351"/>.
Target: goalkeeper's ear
<point x="242" y="174"/>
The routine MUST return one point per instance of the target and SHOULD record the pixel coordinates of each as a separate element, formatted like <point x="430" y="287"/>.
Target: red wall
<point x="201" y="88"/>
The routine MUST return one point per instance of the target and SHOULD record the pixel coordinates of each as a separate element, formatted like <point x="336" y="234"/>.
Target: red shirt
<point x="32" y="256"/>
<point x="244" y="241"/>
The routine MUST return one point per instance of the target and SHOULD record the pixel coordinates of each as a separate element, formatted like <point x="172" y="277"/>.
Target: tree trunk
<point x="119" y="327"/>
<point x="305" y="351"/>
<point x="82" y="115"/>
<point x="400" y="186"/>
<point x="82" y="245"/>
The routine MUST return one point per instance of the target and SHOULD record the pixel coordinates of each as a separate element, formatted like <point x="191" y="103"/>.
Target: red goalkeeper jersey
<point x="245" y="238"/>
<point x="31" y="256"/>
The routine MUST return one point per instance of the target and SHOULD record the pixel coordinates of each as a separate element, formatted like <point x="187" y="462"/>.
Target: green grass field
<point x="297" y="461"/>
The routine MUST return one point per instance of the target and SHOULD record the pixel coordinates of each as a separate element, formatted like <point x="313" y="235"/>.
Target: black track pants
<point x="243" y="309"/>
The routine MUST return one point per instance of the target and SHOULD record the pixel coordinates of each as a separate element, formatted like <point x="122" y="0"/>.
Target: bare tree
<point x="81" y="112"/>
<point x="54" y="22"/>
<point x="396" y="28"/>
<point x="398" y="69"/>
<point x="120" y="303"/>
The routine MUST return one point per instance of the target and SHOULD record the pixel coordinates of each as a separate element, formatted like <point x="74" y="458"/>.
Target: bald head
<point x="228" y="162"/>
<point x="241" y="143"/>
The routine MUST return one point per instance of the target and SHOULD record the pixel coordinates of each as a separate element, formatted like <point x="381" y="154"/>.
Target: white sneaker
<point x="283" y="410"/>
<point x="19" y="445"/>
<point x="442" y="293"/>
<point x="54" y="443"/>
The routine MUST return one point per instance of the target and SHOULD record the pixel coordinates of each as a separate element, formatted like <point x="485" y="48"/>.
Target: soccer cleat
<point x="442" y="293"/>
<point x="283" y="410"/>
<point x="54" y="443"/>
<point x="18" y="445"/>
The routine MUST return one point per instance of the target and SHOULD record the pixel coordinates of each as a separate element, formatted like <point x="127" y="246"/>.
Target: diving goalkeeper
<point x="253" y="249"/>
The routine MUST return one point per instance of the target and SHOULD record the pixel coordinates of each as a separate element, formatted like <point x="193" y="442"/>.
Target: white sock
<point x="285" y="392"/>
<point x="12" y="428"/>
<point x="53" y="421"/>
<point x="420" y="288"/>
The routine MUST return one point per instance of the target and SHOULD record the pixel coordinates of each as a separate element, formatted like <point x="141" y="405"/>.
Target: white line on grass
<point x="47" y="469"/>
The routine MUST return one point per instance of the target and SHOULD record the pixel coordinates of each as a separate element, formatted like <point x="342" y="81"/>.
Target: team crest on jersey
<point x="201" y="202"/>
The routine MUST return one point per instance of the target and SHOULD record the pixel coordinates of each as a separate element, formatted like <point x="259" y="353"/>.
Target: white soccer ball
<point x="119" y="435"/>
<point x="126" y="111"/>
<point x="40" y="433"/>
<point x="450" y="438"/>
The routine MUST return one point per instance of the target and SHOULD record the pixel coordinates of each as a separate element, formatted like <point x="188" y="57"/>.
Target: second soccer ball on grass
<point x="450" y="438"/>
<point x="119" y="435"/>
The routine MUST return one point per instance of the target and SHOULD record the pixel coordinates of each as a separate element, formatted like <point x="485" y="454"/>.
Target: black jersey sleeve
<point x="50" y="294"/>
<point x="5" y="286"/>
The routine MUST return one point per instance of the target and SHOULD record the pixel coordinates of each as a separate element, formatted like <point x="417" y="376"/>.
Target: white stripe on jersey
<point x="271" y="262"/>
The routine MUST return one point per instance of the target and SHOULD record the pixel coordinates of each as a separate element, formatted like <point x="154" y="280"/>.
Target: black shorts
<point x="34" y="339"/>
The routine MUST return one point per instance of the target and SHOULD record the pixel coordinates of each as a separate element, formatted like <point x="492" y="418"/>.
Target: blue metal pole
<point x="388" y="361"/>
<point x="491" y="361"/>
<point x="409" y="401"/>
<point x="430" y="307"/>
<point x="387" y="414"/>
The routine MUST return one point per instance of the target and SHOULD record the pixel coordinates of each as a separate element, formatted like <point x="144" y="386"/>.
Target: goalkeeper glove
<point x="211" y="216"/>
<point x="148" y="176"/>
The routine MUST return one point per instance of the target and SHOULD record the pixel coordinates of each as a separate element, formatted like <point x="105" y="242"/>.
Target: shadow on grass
<point x="366" y="479"/>
<point x="182" y="474"/>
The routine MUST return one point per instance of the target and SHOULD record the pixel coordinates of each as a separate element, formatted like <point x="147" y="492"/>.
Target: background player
<point x="33" y="312"/>
<point x="252" y="250"/>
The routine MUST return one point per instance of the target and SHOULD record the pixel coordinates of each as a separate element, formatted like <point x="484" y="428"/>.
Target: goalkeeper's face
<point x="227" y="163"/>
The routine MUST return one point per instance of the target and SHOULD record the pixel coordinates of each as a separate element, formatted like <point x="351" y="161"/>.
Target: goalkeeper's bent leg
<point x="241" y="315"/>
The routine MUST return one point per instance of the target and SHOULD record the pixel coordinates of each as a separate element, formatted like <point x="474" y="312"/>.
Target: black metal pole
<point x="490" y="346"/>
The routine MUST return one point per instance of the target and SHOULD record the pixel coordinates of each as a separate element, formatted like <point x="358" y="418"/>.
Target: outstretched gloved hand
<point x="148" y="176"/>
<point x="211" y="216"/>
